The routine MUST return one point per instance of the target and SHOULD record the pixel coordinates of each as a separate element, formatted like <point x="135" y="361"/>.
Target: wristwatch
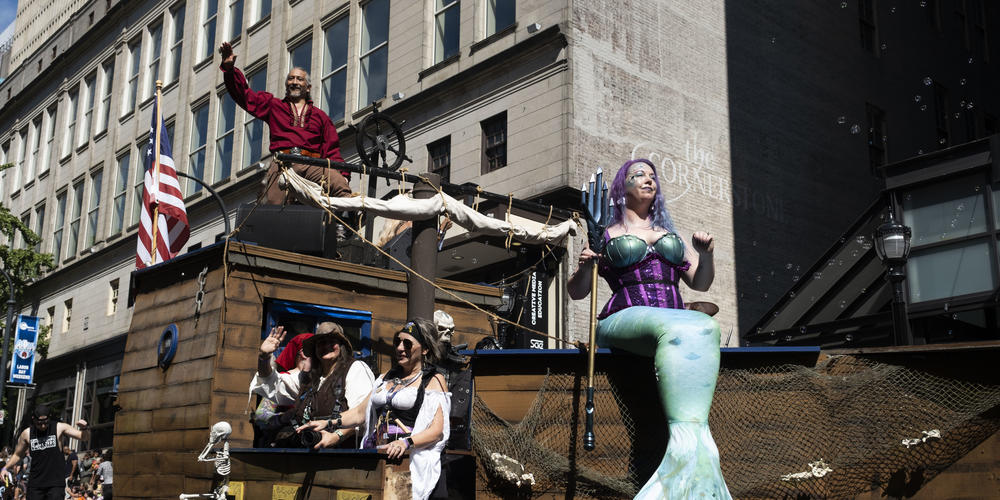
<point x="339" y="434"/>
<point x="330" y="426"/>
<point x="409" y="442"/>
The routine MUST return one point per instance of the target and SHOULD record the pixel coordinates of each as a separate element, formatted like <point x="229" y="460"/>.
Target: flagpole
<point x="156" y="171"/>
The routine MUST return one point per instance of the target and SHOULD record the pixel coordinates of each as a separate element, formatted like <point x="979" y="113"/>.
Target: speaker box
<point x="295" y="228"/>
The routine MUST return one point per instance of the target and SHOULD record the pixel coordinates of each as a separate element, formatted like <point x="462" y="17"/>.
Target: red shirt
<point x="315" y="133"/>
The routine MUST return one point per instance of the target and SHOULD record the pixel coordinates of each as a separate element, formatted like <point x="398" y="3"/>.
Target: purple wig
<point x="661" y="217"/>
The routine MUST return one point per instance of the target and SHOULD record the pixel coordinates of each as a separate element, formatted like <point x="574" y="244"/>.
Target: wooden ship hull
<point x="527" y="406"/>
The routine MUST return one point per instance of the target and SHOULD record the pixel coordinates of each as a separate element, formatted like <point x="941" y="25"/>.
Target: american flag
<point x="161" y="192"/>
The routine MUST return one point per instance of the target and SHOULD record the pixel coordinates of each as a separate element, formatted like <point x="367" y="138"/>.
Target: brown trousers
<point x="330" y="179"/>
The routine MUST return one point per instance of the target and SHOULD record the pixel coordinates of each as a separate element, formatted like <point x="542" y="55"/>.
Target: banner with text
<point x="22" y="368"/>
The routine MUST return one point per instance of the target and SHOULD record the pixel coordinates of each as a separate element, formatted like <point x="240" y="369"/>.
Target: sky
<point x="8" y="9"/>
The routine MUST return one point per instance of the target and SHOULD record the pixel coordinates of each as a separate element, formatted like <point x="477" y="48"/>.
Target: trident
<point x="594" y="198"/>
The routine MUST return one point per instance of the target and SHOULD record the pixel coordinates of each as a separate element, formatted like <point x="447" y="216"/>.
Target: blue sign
<point x="22" y="369"/>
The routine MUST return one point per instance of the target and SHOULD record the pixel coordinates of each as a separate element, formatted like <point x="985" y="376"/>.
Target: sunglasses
<point x="407" y="343"/>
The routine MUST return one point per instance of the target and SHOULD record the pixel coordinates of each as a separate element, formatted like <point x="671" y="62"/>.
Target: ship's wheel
<point x="380" y="142"/>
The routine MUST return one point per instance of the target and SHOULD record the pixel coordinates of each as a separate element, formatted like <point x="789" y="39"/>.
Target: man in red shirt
<point x="295" y="126"/>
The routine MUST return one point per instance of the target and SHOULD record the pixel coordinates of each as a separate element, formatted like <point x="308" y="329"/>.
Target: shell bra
<point x="640" y="274"/>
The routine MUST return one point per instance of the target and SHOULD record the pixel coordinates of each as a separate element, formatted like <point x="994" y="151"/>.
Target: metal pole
<point x="6" y="343"/>
<point x="218" y="199"/>
<point x="423" y="256"/>
<point x="588" y="434"/>
<point x="900" y="321"/>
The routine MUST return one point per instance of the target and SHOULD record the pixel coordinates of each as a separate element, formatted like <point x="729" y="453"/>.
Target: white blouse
<point x="425" y="461"/>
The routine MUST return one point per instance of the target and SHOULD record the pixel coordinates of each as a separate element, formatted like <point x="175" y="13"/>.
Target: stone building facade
<point x="757" y="124"/>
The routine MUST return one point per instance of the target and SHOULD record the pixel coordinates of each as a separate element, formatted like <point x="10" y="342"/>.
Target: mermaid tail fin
<point x="690" y="467"/>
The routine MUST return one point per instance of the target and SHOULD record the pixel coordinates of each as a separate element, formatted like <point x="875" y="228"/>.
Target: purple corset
<point x="650" y="282"/>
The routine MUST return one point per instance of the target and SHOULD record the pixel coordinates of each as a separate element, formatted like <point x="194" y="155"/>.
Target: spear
<point x="594" y="198"/>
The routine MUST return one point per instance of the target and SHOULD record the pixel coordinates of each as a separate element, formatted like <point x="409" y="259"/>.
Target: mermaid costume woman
<point x="646" y="315"/>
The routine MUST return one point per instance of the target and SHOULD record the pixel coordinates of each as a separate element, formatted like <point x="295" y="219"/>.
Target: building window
<point x="107" y="77"/>
<point x="494" y="143"/>
<point x="74" y="219"/>
<point x="50" y="137"/>
<point x="877" y="154"/>
<point x="22" y="149"/>
<point x="374" y="51"/>
<point x="868" y="26"/>
<point x="932" y="9"/>
<point x="50" y="318"/>
<point x="176" y="42"/>
<point x="225" y="129"/>
<point x="300" y="55"/>
<point x="170" y="131"/>
<point x="39" y="225"/>
<point x="199" y="146"/>
<point x="979" y="30"/>
<point x="446" y="27"/>
<point x="253" y="129"/>
<point x="119" y="195"/>
<point x="209" y="13"/>
<point x="94" y="208"/>
<point x="972" y="128"/>
<point x="989" y="125"/>
<point x="67" y="315"/>
<point x="261" y="9"/>
<point x="499" y="15"/>
<point x="4" y="154"/>
<point x="962" y="13"/>
<point x="88" y="90"/>
<point x="68" y="139"/>
<point x="22" y="241"/>
<point x="140" y="177"/>
<point x="57" y="228"/>
<point x="941" y="116"/>
<point x="951" y="253"/>
<point x="36" y="141"/>
<point x="153" y="66"/>
<point x="235" y="19"/>
<point x="113" y="296"/>
<point x="134" y="54"/>
<point x="439" y="158"/>
<point x="335" y="69"/>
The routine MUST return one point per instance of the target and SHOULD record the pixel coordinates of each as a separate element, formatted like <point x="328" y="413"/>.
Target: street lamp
<point x="6" y="340"/>
<point x="892" y="244"/>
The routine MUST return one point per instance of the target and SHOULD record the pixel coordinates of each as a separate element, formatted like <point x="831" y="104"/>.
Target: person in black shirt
<point x="47" y="479"/>
<point x="71" y="461"/>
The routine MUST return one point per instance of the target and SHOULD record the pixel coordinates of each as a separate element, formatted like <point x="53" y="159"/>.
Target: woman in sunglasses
<point x="407" y="411"/>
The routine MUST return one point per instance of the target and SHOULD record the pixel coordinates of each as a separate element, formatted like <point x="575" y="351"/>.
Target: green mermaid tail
<point x="685" y="349"/>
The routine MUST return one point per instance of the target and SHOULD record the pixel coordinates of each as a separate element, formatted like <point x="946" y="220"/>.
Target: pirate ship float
<point x="792" y="421"/>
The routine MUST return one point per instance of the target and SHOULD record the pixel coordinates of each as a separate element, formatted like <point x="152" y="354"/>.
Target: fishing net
<point x="846" y="426"/>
